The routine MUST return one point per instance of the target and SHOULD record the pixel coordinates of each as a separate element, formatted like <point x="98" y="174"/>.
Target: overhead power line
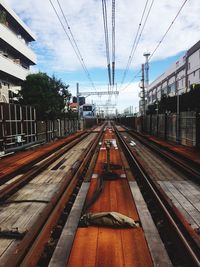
<point x="72" y="40"/>
<point x="137" y="37"/>
<point x="113" y="42"/>
<point x="168" y="29"/>
<point x="159" y="43"/>
<point x="105" y="21"/>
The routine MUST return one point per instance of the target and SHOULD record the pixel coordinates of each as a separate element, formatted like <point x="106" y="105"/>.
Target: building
<point x="73" y="107"/>
<point x="81" y="100"/>
<point x="178" y="78"/>
<point x="15" y="53"/>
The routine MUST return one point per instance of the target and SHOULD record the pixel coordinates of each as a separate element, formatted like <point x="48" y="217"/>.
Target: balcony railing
<point x="10" y="67"/>
<point x="17" y="43"/>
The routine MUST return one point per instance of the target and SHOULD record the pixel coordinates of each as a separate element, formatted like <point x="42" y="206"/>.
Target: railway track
<point x="10" y="186"/>
<point x="100" y="176"/>
<point x="166" y="215"/>
<point x="185" y="165"/>
<point x="39" y="197"/>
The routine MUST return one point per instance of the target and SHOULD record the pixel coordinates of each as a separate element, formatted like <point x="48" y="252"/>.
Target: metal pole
<point x="177" y="117"/>
<point x="143" y="91"/>
<point x="146" y="69"/>
<point x="77" y="96"/>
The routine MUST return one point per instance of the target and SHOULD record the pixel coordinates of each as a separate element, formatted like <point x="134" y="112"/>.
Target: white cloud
<point x="85" y="18"/>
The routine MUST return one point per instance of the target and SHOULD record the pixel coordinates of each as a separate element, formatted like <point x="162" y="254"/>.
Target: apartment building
<point x="178" y="78"/>
<point x="16" y="56"/>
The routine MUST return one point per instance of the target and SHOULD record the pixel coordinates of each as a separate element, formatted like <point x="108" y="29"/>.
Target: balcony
<point x="19" y="44"/>
<point x="10" y="67"/>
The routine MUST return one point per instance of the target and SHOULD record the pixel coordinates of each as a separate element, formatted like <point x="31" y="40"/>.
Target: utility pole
<point x="77" y="96"/>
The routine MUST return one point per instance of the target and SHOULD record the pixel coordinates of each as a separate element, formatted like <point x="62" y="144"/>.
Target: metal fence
<point x="183" y="128"/>
<point x="17" y="126"/>
<point x="20" y="129"/>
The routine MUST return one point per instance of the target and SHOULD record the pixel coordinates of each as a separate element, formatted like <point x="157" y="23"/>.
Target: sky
<point x="55" y="54"/>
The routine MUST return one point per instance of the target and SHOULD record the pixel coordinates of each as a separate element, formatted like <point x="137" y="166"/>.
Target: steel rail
<point x="28" y="252"/>
<point x="8" y="176"/>
<point x="25" y="178"/>
<point x="186" y="243"/>
<point x="182" y="164"/>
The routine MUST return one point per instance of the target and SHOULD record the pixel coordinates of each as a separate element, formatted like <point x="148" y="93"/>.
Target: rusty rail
<point x="188" y="241"/>
<point x="24" y="179"/>
<point x="28" y="252"/>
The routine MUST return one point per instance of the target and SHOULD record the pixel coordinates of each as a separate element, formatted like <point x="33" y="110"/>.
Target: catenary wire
<point x="159" y="43"/>
<point x="137" y="38"/>
<point x="134" y="43"/>
<point x="113" y="42"/>
<point x="161" y="40"/>
<point x="73" y="43"/>
<point x="105" y="21"/>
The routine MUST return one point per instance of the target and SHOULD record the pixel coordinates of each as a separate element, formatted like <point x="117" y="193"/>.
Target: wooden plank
<point x="183" y="201"/>
<point x="63" y="248"/>
<point x="22" y="217"/>
<point x="156" y="247"/>
<point x="84" y="253"/>
<point x="135" y="248"/>
<point x="191" y="192"/>
<point x="110" y="250"/>
<point x="125" y="201"/>
<point x="187" y="216"/>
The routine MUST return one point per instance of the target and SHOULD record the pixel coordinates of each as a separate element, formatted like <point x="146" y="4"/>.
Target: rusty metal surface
<point x="103" y="246"/>
<point x="189" y="154"/>
<point x="15" y="251"/>
<point x="18" y="162"/>
<point x="159" y="171"/>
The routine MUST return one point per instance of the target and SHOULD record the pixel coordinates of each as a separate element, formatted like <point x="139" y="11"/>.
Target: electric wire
<point x="113" y="42"/>
<point x="159" y="43"/>
<point x="134" y="43"/>
<point x="73" y="43"/>
<point x="168" y="29"/>
<point x="105" y="21"/>
<point x="137" y="38"/>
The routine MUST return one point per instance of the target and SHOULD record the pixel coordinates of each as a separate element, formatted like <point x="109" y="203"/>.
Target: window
<point x="188" y="65"/>
<point x="87" y="108"/>
<point x="194" y="73"/>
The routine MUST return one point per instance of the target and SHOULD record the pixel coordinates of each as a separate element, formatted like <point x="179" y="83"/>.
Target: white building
<point x="15" y="54"/>
<point x="178" y="78"/>
<point x="193" y="65"/>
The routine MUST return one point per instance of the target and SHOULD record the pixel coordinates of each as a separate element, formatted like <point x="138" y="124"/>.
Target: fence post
<point x="198" y="130"/>
<point x="157" y="123"/>
<point x="178" y="128"/>
<point x="165" y="129"/>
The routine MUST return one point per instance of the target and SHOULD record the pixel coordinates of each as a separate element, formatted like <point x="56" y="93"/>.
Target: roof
<point x="194" y="48"/>
<point x="73" y="105"/>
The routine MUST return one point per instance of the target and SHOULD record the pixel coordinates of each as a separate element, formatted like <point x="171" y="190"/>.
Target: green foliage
<point x="189" y="101"/>
<point x="47" y="94"/>
<point x="2" y="16"/>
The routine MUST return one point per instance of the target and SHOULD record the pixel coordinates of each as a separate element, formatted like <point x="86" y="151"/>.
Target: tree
<point x="47" y="94"/>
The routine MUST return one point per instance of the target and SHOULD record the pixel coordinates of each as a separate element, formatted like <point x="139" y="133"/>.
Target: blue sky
<point x="56" y="56"/>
